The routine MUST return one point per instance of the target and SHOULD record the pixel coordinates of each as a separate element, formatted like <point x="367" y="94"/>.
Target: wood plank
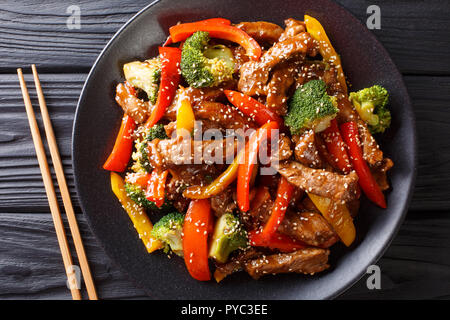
<point x="416" y="265"/>
<point x="37" y="32"/>
<point x="31" y="265"/>
<point x="21" y="188"/>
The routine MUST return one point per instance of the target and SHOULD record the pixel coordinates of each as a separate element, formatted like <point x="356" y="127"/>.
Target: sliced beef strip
<point x="235" y="264"/>
<point x="284" y="150"/>
<point x="306" y="151"/>
<point x="277" y="90"/>
<point x="254" y="75"/>
<point x="321" y="182"/>
<point x="223" y="202"/>
<point x="263" y="32"/>
<point x="136" y="108"/>
<point x="240" y="57"/>
<point x="380" y="173"/>
<point x="168" y="153"/>
<point x="293" y="27"/>
<point x="186" y="175"/>
<point x="306" y="261"/>
<point x="308" y="227"/>
<point x="370" y="148"/>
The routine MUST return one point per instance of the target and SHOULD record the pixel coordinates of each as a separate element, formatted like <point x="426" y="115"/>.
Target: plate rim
<point x="386" y="244"/>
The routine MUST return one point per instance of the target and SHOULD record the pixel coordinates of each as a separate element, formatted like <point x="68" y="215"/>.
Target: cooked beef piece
<point x="223" y="202"/>
<point x="277" y="90"/>
<point x="197" y="95"/>
<point x="321" y="182"/>
<point x="353" y="207"/>
<point x="308" y="227"/>
<point x="186" y="175"/>
<point x="371" y="151"/>
<point x="235" y="264"/>
<point x="224" y="116"/>
<point x="379" y="173"/>
<point x="307" y="261"/>
<point x="306" y="151"/>
<point x="240" y="57"/>
<point x="284" y="150"/>
<point x="328" y="161"/>
<point x="136" y="108"/>
<point x="262" y="31"/>
<point x="168" y="153"/>
<point x="255" y="74"/>
<point x="293" y="27"/>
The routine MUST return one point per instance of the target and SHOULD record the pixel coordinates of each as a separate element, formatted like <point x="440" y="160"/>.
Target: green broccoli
<point x="229" y="235"/>
<point x="203" y="65"/>
<point x="137" y="194"/>
<point x="310" y="108"/>
<point x="371" y="104"/>
<point x="144" y="75"/>
<point x="169" y="230"/>
<point x="141" y="155"/>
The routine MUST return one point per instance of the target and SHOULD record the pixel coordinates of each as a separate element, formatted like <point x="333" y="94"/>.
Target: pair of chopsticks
<point x="50" y="190"/>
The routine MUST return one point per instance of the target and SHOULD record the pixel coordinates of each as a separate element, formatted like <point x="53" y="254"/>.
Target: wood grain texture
<point x="416" y="265"/>
<point x="37" y="33"/>
<point x="20" y="176"/>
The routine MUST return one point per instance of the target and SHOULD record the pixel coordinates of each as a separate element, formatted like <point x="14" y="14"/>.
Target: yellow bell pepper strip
<point x="338" y="217"/>
<point x="327" y="51"/>
<point x="123" y="147"/>
<point x="185" y="117"/>
<point x="136" y="213"/>
<point x="217" y="186"/>
<point x="245" y="169"/>
<point x="170" y="77"/>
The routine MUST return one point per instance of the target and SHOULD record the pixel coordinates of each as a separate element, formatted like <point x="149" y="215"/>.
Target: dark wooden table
<point x="417" y="35"/>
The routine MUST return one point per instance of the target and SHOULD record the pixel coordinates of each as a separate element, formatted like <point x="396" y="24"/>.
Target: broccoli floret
<point x="141" y="155"/>
<point x="137" y="194"/>
<point x="203" y="65"/>
<point x="229" y="235"/>
<point x="371" y="105"/>
<point x="169" y="230"/>
<point x="310" y="108"/>
<point x="156" y="132"/>
<point x="144" y="75"/>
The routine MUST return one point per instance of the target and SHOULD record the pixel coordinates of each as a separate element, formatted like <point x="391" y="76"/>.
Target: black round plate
<point x="98" y="117"/>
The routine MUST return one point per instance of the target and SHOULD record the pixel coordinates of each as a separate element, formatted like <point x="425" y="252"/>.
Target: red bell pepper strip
<point x="170" y="78"/>
<point x="123" y="147"/>
<point x="253" y="108"/>
<point x="366" y="180"/>
<point x="277" y="241"/>
<point x="336" y="147"/>
<point x="196" y="226"/>
<point x="284" y="196"/>
<point x="212" y="21"/>
<point x="156" y="186"/>
<point x="138" y="178"/>
<point x="245" y="169"/>
<point x="183" y="31"/>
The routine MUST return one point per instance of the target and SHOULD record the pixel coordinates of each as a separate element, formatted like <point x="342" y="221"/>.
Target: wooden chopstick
<point x="56" y="159"/>
<point x="49" y="189"/>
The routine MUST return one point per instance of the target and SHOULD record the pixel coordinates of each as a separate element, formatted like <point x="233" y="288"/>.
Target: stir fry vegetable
<point x="136" y="213"/>
<point x="123" y="147"/>
<point x="195" y="239"/>
<point x="366" y="180"/>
